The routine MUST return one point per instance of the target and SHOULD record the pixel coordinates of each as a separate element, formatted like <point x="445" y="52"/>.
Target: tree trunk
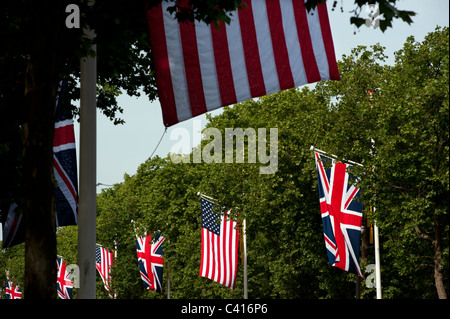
<point x="438" y="269"/>
<point x="38" y="186"/>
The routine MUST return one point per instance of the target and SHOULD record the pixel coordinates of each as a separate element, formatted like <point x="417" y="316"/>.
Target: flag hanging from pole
<point x="12" y="292"/>
<point x="64" y="285"/>
<point x="151" y="261"/>
<point x="13" y="228"/>
<point x="341" y="212"/>
<point x="103" y="263"/>
<point x="268" y="46"/>
<point x="65" y="162"/>
<point x="220" y="242"/>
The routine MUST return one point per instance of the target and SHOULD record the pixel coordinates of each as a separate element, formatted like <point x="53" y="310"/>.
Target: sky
<point x="122" y="148"/>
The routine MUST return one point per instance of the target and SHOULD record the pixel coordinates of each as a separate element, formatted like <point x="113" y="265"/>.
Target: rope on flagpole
<point x="157" y="145"/>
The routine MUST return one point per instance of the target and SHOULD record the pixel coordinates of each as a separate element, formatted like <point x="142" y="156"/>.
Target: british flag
<point x="151" y="261"/>
<point x="64" y="285"/>
<point x="12" y="292"/>
<point x="341" y="212"/>
<point x="65" y="162"/>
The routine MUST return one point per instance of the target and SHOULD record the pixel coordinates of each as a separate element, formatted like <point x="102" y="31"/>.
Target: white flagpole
<point x="207" y="197"/>
<point x="312" y="148"/>
<point x="88" y="175"/>
<point x="245" y="259"/>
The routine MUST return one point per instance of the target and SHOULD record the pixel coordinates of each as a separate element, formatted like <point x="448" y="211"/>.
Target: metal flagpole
<point x="245" y="259"/>
<point x="88" y="149"/>
<point x="207" y="197"/>
<point x="376" y="241"/>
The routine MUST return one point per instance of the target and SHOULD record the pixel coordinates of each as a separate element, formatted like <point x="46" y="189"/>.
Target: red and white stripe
<point x="269" y="46"/>
<point x="103" y="265"/>
<point x="219" y="257"/>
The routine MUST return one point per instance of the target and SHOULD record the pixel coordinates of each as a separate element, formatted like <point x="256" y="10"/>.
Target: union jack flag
<point x="65" y="162"/>
<point x="12" y="292"/>
<point x="64" y="285"/>
<point x="341" y="213"/>
<point x="13" y="228"/>
<point x="151" y="261"/>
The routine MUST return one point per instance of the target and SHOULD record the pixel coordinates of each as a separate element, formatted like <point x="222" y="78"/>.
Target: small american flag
<point x="220" y="244"/>
<point x="103" y="263"/>
<point x="63" y="284"/>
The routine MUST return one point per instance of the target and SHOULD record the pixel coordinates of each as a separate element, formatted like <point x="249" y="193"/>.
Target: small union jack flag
<point x="64" y="285"/>
<point x="12" y="292"/>
<point x="65" y="162"/>
<point x="151" y="261"/>
<point x="341" y="213"/>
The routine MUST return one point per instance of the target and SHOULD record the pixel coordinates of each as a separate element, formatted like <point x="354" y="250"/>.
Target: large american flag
<point x="12" y="292"/>
<point x="65" y="162"/>
<point x="341" y="212"/>
<point x="151" y="261"/>
<point x="269" y="46"/>
<point x="220" y="242"/>
<point x="64" y="285"/>
<point x="103" y="263"/>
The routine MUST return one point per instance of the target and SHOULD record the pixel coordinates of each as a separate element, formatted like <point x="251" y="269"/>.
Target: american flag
<point x="269" y="46"/>
<point x="341" y="213"/>
<point x="65" y="162"/>
<point x="64" y="285"/>
<point x="151" y="261"/>
<point x="12" y="292"/>
<point x="220" y="244"/>
<point x="103" y="263"/>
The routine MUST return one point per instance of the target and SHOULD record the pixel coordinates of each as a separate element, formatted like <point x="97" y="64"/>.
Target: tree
<point x="398" y="116"/>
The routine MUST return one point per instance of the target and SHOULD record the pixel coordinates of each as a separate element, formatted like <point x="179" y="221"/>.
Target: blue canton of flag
<point x="65" y="162"/>
<point x="209" y="219"/>
<point x="151" y="261"/>
<point x="341" y="213"/>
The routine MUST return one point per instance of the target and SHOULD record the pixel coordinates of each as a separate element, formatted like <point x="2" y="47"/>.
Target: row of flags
<point x="268" y="46"/>
<point x="341" y="212"/>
